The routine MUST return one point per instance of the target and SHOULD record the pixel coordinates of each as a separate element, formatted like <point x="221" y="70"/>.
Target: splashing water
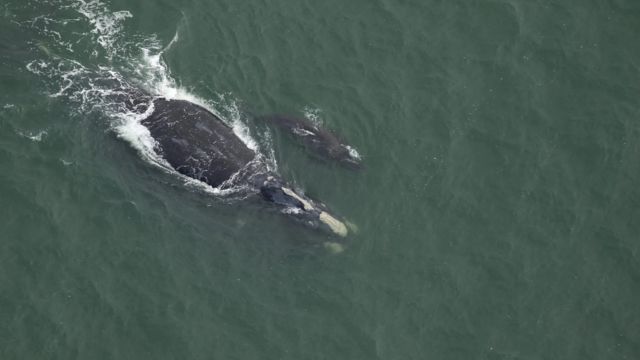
<point x="106" y="25"/>
<point x="313" y="114"/>
<point x="97" y="87"/>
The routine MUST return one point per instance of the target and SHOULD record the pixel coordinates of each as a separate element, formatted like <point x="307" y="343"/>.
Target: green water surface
<point x="498" y="209"/>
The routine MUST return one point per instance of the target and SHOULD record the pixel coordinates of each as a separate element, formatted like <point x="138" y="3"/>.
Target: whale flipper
<point x="320" y="141"/>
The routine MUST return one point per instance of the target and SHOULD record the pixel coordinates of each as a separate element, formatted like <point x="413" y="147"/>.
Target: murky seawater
<point x="497" y="210"/>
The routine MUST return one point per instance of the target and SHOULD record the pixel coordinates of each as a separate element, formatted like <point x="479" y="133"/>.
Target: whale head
<point x="302" y="208"/>
<point x="346" y="155"/>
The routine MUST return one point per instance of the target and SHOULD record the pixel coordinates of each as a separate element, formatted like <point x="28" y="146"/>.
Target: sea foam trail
<point x="102" y="87"/>
<point x="106" y="25"/>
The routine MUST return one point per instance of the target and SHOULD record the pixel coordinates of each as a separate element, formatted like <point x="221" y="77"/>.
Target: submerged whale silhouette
<point x="320" y="141"/>
<point x="198" y="144"/>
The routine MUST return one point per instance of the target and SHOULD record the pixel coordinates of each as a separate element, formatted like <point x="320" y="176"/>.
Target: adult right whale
<point x="198" y="144"/>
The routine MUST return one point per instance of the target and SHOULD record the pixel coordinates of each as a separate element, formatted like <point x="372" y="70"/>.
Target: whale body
<point x="198" y="144"/>
<point x="320" y="141"/>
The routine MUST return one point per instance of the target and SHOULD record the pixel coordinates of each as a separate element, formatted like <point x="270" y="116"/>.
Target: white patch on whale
<point x="353" y="152"/>
<point x="302" y="132"/>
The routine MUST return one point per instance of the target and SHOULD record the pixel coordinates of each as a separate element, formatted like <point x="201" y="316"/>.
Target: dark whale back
<point x="196" y="142"/>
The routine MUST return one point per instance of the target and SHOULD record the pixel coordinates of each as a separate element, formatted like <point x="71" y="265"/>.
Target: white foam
<point x="270" y="158"/>
<point x="239" y="127"/>
<point x="37" y="66"/>
<point x="292" y="210"/>
<point x="68" y="79"/>
<point x="313" y="114"/>
<point x="353" y="152"/>
<point x="107" y="25"/>
<point x="131" y="130"/>
<point x="91" y="87"/>
<point x="37" y="137"/>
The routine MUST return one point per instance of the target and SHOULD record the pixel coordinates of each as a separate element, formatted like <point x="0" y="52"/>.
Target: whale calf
<point x="198" y="144"/>
<point x="320" y="141"/>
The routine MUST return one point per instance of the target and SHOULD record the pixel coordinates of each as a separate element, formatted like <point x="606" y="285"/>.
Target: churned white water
<point x="93" y="87"/>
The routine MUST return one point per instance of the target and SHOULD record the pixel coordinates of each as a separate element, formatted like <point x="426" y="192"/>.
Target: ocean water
<point x="498" y="208"/>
